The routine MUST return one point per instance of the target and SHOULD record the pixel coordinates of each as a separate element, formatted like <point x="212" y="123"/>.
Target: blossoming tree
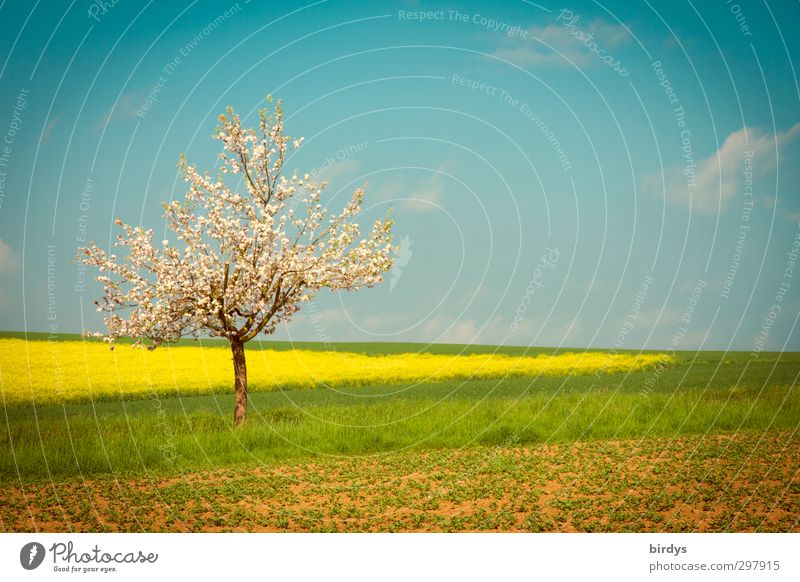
<point x="243" y="261"/>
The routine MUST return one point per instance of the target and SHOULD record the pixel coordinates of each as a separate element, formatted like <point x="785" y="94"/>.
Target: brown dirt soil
<point x="714" y="483"/>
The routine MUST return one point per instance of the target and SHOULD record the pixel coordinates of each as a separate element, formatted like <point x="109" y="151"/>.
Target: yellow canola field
<point x="73" y="371"/>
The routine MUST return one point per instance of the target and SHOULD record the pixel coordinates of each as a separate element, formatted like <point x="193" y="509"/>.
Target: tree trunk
<point x="240" y="383"/>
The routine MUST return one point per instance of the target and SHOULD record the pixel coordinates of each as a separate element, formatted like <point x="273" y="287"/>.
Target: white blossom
<point x="243" y="262"/>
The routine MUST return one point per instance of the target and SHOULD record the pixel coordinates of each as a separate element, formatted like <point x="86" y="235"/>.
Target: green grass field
<point x="158" y="440"/>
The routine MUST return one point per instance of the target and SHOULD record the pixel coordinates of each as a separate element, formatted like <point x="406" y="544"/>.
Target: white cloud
<point x="8" y="260"/>
<point x="48" y="129"/>
<point x="793" y="217"/>
<point x="444" y="328"/>
<point x="389" y="190"/>
<point x="387" y="321"/>
<point x="461" y="332"/>
<point x="555" y="44"/>
<point x="331" y="171"/>
<point x="125" y="107"/>
<point x="315" y="325"/>
<point x="425" y="194"/>
<point x="719" y="177"/>
<point x="569" y="334"/>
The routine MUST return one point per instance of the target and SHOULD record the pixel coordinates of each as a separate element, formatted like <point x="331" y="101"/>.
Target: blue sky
<point x="585" y="174"/>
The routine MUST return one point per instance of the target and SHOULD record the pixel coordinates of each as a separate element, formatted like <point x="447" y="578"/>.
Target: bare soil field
<point x="703" y="483"/>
